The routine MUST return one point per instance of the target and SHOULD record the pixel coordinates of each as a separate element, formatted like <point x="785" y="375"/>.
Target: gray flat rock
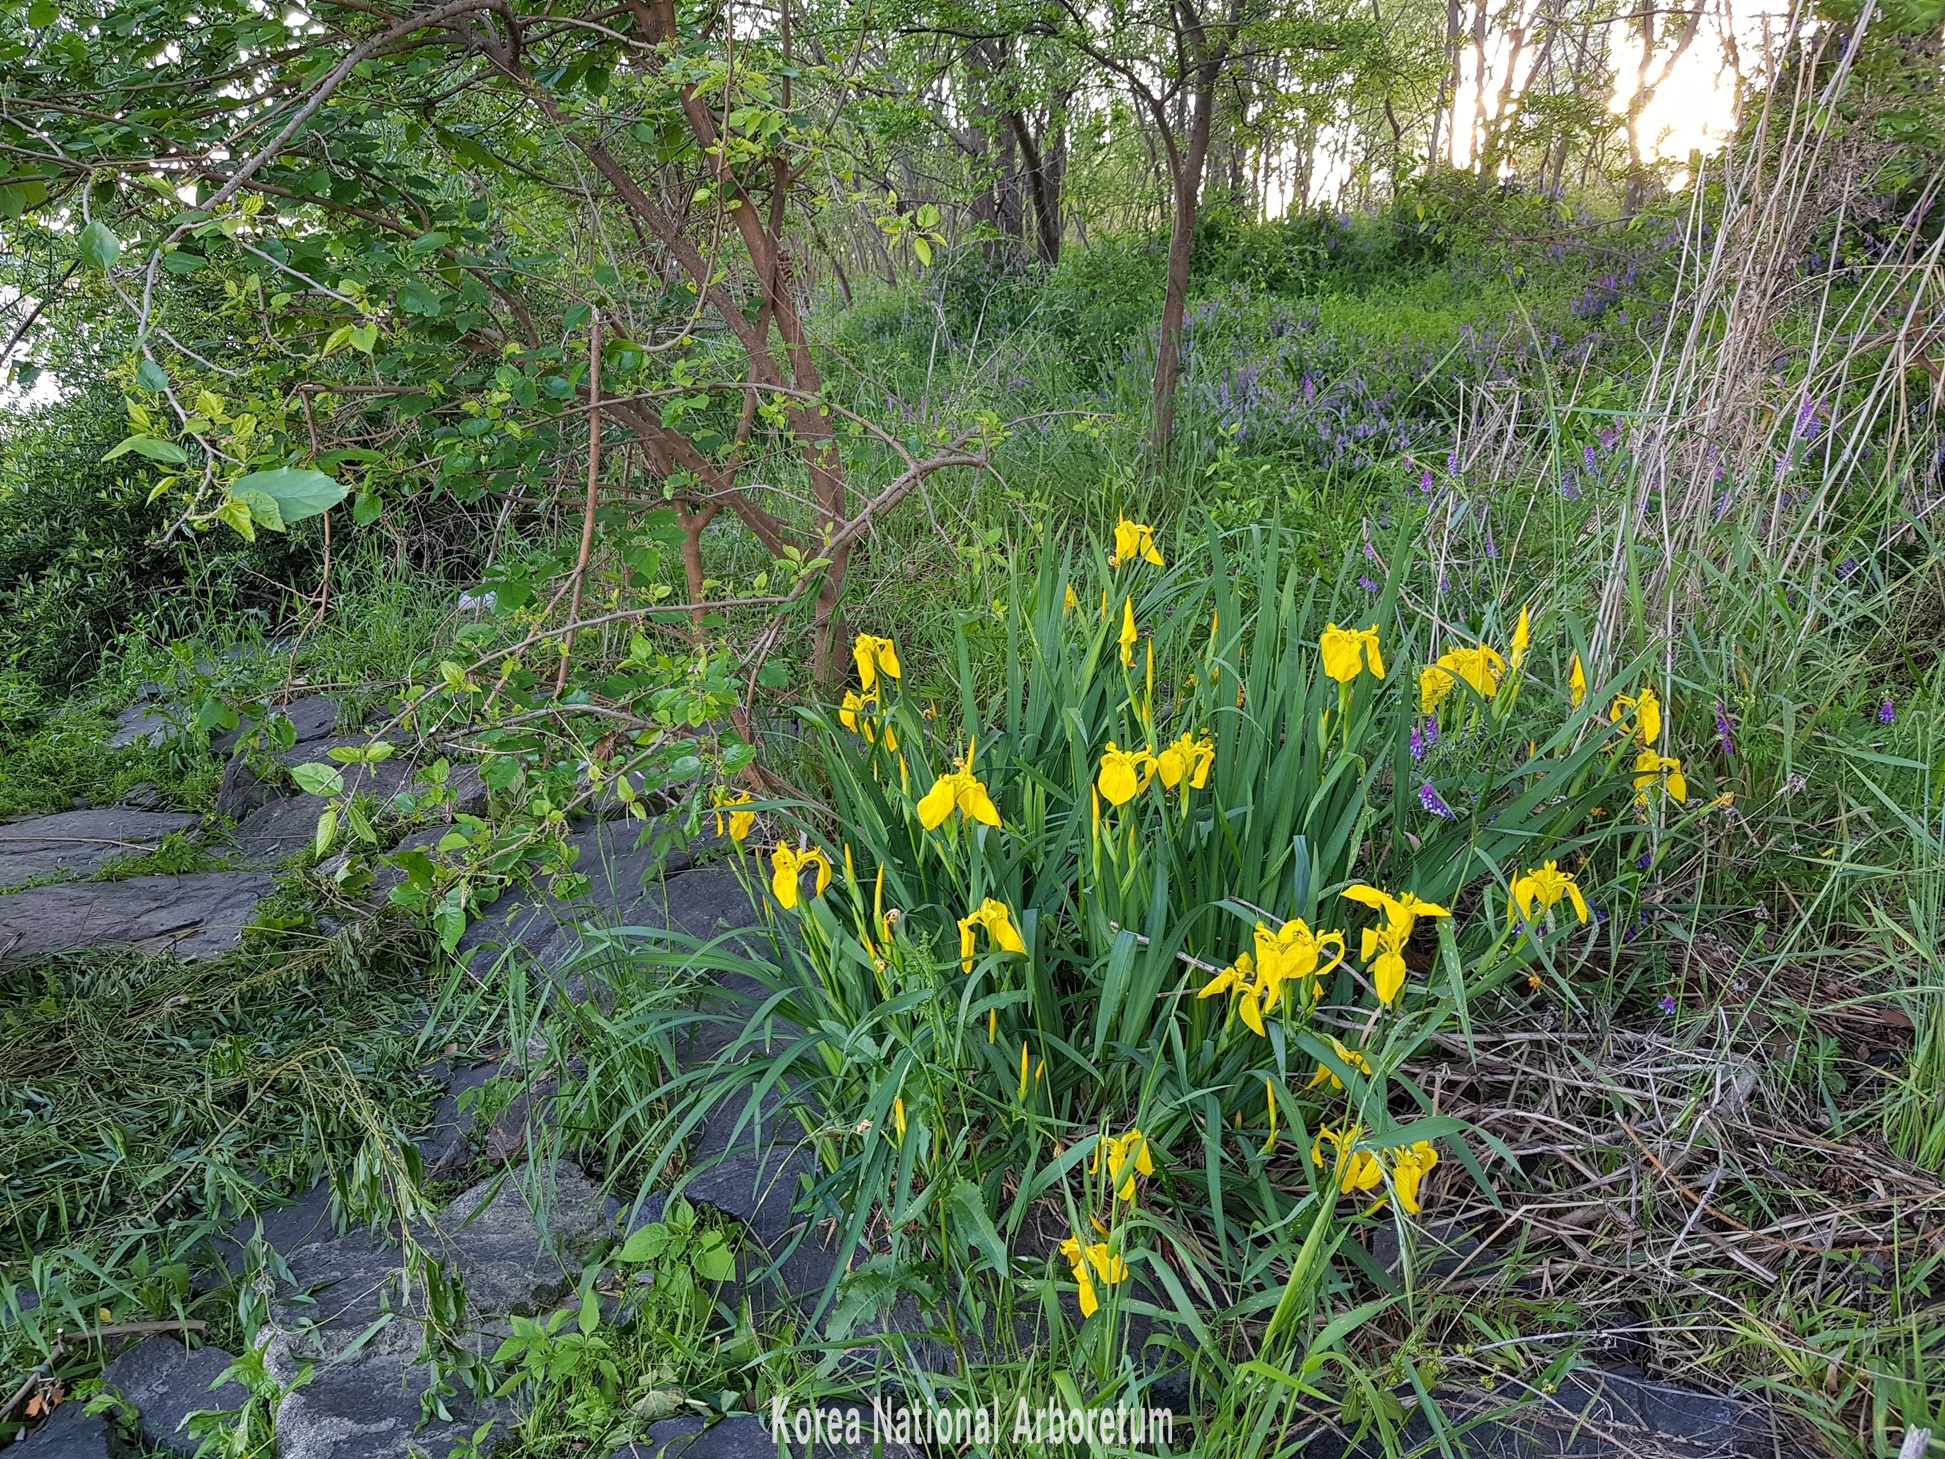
<point x="192" y="916"/>
<point x="75" y="843"/>
<point x="141" y="724"/>
<point x="280" y="828"/>
<point x="370" y="1409"/>
<point x="698" y="900"/>
<point x="364" y="1400"/>
<point x="166" y="1382"/>
<point x="312" y="717"/>
<point x="69" y="1433"/>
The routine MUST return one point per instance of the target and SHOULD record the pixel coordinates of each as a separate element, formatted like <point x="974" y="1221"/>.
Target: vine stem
<point x="587" y="514"/>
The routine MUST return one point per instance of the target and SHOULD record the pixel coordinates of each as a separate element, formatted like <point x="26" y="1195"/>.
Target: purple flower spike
<point x="1887" y="712"/>
<point x="1725" y="729"/>
<point x="1429" y="798"/>
<point x="1667" y="1004"/>
<point x="1425" y="481"/>
<point x="1431" y="732"/>
<point x="1417" y="743"/>
<point x="1364" y="581"/>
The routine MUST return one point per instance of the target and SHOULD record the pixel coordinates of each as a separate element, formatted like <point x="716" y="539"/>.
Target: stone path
<point x="78" y="843"/>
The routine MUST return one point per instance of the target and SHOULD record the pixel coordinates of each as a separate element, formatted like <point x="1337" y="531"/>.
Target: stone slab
<point x="196" y="915"/>
<point x="312" y="717"/>
<point x="141" y="724"/>
<point x="280" y="828"/>
<point x="165" y="1382"/>
<point x="76" y="843"/>
<point x="370" y="1409"/>
<point x="69" y="1433"/>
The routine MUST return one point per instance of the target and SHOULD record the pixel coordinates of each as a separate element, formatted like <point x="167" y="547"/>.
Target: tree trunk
<point x="1181" y="247"/>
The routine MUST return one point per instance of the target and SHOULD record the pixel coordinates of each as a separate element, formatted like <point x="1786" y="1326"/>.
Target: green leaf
<point x="714" y="1261"/>
<point x="153" y="447"/>
<point x="299" y="492"/>
<point x="41" y="14"/>
<point x="645" y="1244"/>
<point x="364" y="337"/>
<point x="235" y="514"/>
<point x="975" y="1225"/>
<point x="151" y="376"/>
<point x="263" y="508"/>
<point x="327" y="827"/>
<point x="922" y="249"/>
<point x="318" y="779"/>
<point x="98" y="246"/>
<point x="366" y="509"/>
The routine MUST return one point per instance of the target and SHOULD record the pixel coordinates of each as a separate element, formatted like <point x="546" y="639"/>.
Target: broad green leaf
<point x="922" y="249"/>
<point x="318" y="779"/>
<point x="367" y="508"/>
<point x="98" y="246"/>
<point x="236" y="514"/>
<point x="263" y="508"/>
<point x="151" y="376"/>
<point x="645" y="1244"/>
<point x="41" y="14"/>
<point x="714" y="1261"/>
<point x="153" y="447"/>
<point x="327" y="828"/>
<point x="298" y="491"/>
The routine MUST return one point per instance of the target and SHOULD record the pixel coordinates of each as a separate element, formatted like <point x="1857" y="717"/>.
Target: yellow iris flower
<point x="1134" y="542"/>
<point x="789" y="866"/>
<point x="1363" y="1170"/>
<point x="874" y="656"/>
<point x="1577" y="682"/>
<point x="1071" y="602"/>
<point x="1088" y="1262"/>
<point x="1539" y="891"/>
<point x="961" y="788"/>
<point x="1522" y="636"/>
<point x="1128" y="634"/>
<point x="1291" y="953"/>
<point x="1127" y="1157"/>
<point x="859" y="714"/>
<point x="1402" y="910"/>
<point x="1383" y="948"/>
<point x="739" y="821"/>
<point x="1350" y="1058"/>
<point x="1388" y="970"/>
<point x="1649" y="766"/>
<point x="1124" y="774"/>
<point x="1347" y="652"/>
<point x="1646" y="708"/>
<point x="1481" y="667"/>
<point x="998" y="922"/>
<point x="1189" y="758"/>
<point x="1409" y="1167"/>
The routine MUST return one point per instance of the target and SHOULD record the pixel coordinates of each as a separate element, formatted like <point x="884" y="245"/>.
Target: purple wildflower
<point x="1364" y="581"/>
<point x="1725" y="728"/>
<point x="1417" y="743"/>
<point x="1667" y="1004"/>
<point x="1369" y="550"/>
<point x="1887" y="712"/>
<point x="1425" y="480"/>
<point x="1431" y="732"/>
<point x="1452" y="463"/>
<point x="1607" y="438"/>
<point x="1429" y="798"/>
<point x="1644" y="861"/>
<point x="1587" y="456"/>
